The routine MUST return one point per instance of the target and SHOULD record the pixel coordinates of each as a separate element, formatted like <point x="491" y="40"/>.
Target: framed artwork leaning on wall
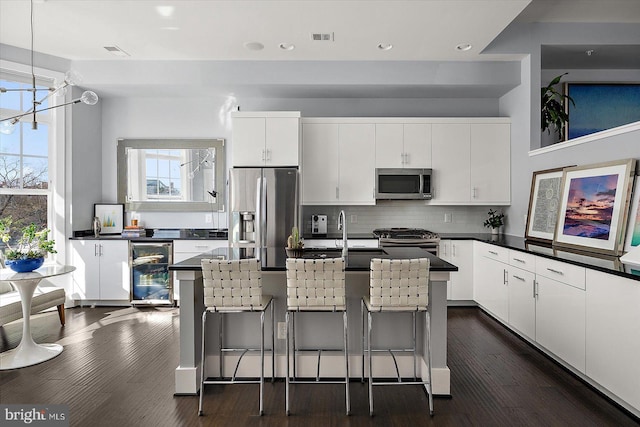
<point x="594" y="206"/>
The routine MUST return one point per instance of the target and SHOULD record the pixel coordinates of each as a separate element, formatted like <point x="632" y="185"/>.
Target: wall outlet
<point x="208" y="218"/>
<point x="282" y="330"/>
<point x="447" y="217"/>
<point x="354" y="219"/>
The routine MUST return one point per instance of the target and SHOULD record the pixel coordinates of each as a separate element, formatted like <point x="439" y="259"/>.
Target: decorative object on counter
<point x="96" y="227"/>
<point x="495" y="221"/>
<point x="553" y="112"/>
<point x="111" y="217"/>
<point x="594" y="206"/>
<point x="546" y="186"/>
<point x="633" y="228"/>
<point x="294" y="244"/>
<point x="32" y="246"/>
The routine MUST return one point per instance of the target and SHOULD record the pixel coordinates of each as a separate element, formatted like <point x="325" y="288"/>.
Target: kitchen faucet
<point x="342" y="225"/>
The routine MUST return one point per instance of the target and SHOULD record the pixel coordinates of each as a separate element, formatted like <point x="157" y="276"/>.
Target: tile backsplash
<point x="363" y="219"/>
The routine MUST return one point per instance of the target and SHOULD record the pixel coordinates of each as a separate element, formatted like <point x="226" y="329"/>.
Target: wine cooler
<point x="151" y="281"/>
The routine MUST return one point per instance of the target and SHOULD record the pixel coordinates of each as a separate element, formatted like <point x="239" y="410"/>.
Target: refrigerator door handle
<point x="263" y="212"/>
<point x="258" y="219"/>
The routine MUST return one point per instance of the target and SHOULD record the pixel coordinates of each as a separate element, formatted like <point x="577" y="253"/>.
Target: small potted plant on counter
<point x="30" y="249"/>
<point x="495" y="221"/>
<point x="294" y="244"/>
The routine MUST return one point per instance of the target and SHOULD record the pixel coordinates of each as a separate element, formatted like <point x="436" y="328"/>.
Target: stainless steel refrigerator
<point x="263" y="206"/>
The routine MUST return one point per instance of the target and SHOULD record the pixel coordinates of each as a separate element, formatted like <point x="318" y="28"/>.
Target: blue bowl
<point x="24" y="265"/>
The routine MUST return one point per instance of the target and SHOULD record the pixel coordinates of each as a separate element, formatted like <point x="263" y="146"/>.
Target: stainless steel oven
<point x="416" y="237"/>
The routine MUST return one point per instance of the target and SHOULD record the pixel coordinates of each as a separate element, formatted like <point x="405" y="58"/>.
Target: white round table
<point x="29" y="353"/>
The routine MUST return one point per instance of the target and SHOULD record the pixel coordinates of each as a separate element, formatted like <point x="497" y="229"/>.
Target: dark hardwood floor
<point x="118" y="369"/>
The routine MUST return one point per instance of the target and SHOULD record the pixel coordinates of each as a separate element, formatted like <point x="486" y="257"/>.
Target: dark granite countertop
<point x="157" y="234"/>
<point x="604" y="263"/>
<point x="358" y="259"/>
<point x="338" y="236"/>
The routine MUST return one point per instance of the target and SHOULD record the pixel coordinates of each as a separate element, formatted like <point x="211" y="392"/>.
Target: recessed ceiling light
<point x="165" y="11"/>
<point x="463" y="47"/>
<point x="170" y="28"/>
<point x="286" y="46"/>
<point x="254" y="45"/>
<point x="385" y="46"/>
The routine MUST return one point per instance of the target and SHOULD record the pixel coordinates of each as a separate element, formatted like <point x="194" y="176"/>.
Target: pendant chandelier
<point x="8" y="124"/>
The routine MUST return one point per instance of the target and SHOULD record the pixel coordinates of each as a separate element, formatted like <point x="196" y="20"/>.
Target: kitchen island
<point x="242" y="332"/>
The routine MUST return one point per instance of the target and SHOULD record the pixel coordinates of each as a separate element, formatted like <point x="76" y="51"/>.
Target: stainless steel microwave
<point x="403" y="184"/>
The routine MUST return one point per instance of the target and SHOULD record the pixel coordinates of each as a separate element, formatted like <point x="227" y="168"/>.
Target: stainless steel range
<point x="408" y="237"/>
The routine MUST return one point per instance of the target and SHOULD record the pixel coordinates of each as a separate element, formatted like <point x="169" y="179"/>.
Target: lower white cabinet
<point x="102" y="270"/>
<point x="460" y="254"/>
<point x="613" y="334"/>
<point x="490" y="280"/>
<point x="522" y="303"/>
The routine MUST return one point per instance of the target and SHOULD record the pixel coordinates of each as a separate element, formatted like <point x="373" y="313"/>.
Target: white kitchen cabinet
<point x="102" y="270"/>
<point x="338" y="163"/>
<point x="460" y="254"/>
<point x="613" y="334"/>
<point x="265" y="139"/>
<point x="560" y="310"/>
<point x="522" y="302"/>
<point x="490" y="288"/>
<point x="356" y="173"/>
<point x="401" y="145"/>
<point x="320" y="154"/>
<point x="471" y="163"/>
<point x="490" y="167"/>
<point x="451" y="157"/>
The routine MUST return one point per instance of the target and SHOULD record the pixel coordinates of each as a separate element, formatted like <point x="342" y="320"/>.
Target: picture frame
<point x="544" y="201"/>
<point x="111" y="217"/>
<point x="600" y="106"/>
<point x="633" y="227"/>
<point x="594" y="207"/>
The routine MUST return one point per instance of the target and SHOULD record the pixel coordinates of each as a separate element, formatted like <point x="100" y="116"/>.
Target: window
<point x="24" y="157"/>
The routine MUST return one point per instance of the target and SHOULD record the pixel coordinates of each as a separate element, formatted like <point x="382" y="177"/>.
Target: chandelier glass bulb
<point x="89" y="97"/>
<point x="7" y="127"/>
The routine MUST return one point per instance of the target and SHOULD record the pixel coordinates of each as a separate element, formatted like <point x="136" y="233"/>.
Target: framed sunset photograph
<point x="594" y="207"/>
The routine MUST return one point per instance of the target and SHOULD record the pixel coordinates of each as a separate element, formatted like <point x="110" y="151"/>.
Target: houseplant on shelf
<point x="495" y="221"/>
<point x="31" y="247"/>
<point x="553" y="108"/>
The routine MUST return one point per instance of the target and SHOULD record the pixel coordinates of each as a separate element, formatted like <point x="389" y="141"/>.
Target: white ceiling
<point x="218" y="30"/>
<point x="200" y="32"/>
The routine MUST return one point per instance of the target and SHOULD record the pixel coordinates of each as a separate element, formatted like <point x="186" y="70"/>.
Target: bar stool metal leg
<point x="202" y="369"/>
<point x="273" y="343"/>
<point x="220" y="344"/>
<point x="363" y="332"/>
<point x="346" y="362"/>
<point x="369" y="326"/>
<point x="415" y="359"/>
<point x="262" y="362"/>
<point x="288" y="326"/>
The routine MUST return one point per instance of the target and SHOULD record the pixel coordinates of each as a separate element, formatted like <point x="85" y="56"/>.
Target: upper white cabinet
<point x="403" y="145"/>
<point x="265" y="138"/>
<point x="338" y="163"/>
<point x="471" y="162"/>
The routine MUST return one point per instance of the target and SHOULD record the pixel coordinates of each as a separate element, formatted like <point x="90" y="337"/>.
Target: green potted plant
<point x="495" y="221"/>
<point x="294" y="244"/>
<point x="31" y="247"/>
<point x="553" y="112"/>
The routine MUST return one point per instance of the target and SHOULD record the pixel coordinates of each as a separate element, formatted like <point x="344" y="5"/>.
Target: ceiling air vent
<point x="116" y="50"/>
<point x="322" y="37"/>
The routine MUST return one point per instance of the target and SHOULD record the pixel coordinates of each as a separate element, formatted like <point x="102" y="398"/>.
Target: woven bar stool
<point x="315" y="285"/>
<point x="398" y="285"/>
<point x="234" y="287"/>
